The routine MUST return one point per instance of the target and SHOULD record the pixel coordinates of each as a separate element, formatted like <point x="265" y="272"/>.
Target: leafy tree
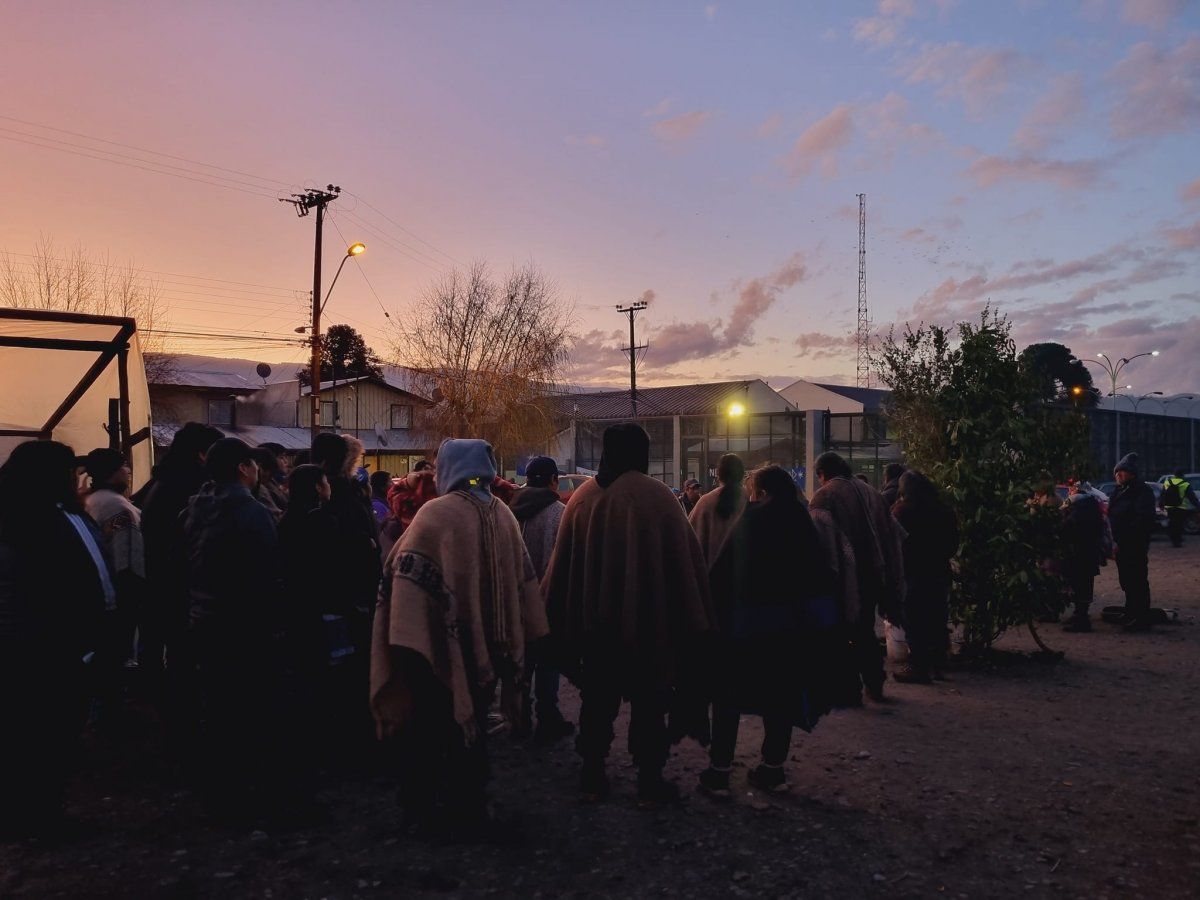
<point x="1058" y="373"/>
<point x="344" y="355"/>
<point x="978" y="423"/>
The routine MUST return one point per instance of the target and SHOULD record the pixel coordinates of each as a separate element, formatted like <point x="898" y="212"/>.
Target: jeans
<point x="777" y="737"/>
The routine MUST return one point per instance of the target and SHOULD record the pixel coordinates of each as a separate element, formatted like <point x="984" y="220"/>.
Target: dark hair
<point x="267" y="460"/>
<point x="730" y="472"/>
<point x="302" y="458"/>
<point x="329" y="452"/>
<point x="380" y="482"/>
<point x="421" y="465"/>
<point x="892" y="471"/>
<point x="38" y="474"/>
<point x="277" y="449"/>
<point x="302" y="489"/>
<point x="831" y="465"/>
<point x="917" y="491"/>
<point x="102" y="463"/>
<point x="190" y="441"/>
<point x="776" y="483"/>
<point x="861" y="476"/>
<point x="224" y="458"/>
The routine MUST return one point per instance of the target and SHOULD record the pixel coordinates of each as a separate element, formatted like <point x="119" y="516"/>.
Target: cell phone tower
<point x="863" y="336"/>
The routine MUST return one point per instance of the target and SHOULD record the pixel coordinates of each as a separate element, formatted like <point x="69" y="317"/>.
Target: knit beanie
<point x="1128" y="463"/>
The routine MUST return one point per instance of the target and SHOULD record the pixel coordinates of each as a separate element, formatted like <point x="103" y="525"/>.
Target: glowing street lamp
<point x="358" y="248"/>
<point x="1113" y="369"/>
<point x="736" y="409"/>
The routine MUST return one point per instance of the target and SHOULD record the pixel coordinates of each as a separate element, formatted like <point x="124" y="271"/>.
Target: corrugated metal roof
<point x="393" y="376"/>
<point x="677" y="400"/>
<point x="221" y="380"/>
<point x="395" y="440"/>
<point x="870" y="398"/>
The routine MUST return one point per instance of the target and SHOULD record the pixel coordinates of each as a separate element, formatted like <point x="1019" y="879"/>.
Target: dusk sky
<point x="1042" y="155"/>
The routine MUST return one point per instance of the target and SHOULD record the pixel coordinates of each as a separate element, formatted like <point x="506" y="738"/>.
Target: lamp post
<point x="1113" y="369"/>
<point x="314" y="388"/>
<point x="1146" y="397"/>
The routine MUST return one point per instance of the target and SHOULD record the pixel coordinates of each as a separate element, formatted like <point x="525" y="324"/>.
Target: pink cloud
<point x="1190" y="193"/>
<point x="682" y="127"/>
<point x="820" y="143"/>
<point x="681" y="341"/>
<point x="769" y="126"/>
<point x="918" y="236"/>
<point x="1187" y="238"/>
<point x="988" y="171"/>
<point x="1151" y="13"/>
<point x="1158" y="92"/>
<point x="661" y="108"/>
<point x="1062" y="105"/>
<point x="823" y="345"/>
<point x="884" y="28"/>
<point x="974" y="75"/>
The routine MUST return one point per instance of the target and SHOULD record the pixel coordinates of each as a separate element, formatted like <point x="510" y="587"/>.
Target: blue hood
<point x="459" y="462"/>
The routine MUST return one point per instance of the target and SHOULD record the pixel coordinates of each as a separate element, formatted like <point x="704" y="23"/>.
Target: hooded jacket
<point x="539" y="512"/>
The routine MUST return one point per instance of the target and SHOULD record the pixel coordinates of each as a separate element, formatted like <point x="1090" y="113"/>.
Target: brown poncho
<point x="710" y="528"/>
<point x="627" y="574"/>
<point x="459" y="589"/>
<point x="858" y="511"/>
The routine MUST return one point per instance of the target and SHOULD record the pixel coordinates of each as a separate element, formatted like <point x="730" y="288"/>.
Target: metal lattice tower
<point x="863" y="336"/>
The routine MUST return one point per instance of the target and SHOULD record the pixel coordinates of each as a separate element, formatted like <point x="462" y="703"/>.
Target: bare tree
<point x="78" y="282"/>
<point x="491" y="354"/>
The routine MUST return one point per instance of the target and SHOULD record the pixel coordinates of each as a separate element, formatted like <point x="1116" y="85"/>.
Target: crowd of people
<point x="288" y="614"/>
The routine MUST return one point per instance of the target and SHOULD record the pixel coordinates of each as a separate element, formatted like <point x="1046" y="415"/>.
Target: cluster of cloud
<point x="679" y="127"/>
<point x="1157" y="91"/>
<point x="887" y="123"/>
<point x="597" y="356"/>
<point x="1154" y="14"/>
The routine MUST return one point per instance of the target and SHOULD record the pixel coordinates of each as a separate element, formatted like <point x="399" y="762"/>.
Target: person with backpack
<point x="1176" y="495"/>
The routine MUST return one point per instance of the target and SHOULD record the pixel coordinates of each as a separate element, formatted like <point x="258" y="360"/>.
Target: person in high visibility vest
<point x="1175" y="498"/>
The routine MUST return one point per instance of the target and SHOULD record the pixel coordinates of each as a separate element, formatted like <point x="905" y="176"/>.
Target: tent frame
<point x="119" y="436"/>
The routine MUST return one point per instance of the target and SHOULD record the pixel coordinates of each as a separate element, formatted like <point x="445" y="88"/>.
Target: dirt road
<point x="1022" y="779"/>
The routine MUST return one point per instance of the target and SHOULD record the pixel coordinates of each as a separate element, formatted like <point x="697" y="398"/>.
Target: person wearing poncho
<point x="457" y="608"/>
<point x="628" y="602"/>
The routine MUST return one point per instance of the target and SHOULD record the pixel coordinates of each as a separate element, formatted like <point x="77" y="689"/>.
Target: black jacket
<point x="162" y="535"/>
<point x="232" y="562"/>
<point x="354" y="553"/>
<point x="1083" y="537"/>
<point x="1131" y="514"/>
<point x="931" y="543"/>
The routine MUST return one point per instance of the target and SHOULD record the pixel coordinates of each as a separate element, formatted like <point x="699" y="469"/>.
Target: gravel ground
<point x="1021" y="777"/>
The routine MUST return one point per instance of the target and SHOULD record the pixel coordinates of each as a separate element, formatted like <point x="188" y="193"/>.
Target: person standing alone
<point x="1131" y="514"/>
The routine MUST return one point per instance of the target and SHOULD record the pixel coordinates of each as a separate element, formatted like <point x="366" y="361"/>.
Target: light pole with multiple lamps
<point x="1113" y="369"/>
<point x="1146" y="397"/>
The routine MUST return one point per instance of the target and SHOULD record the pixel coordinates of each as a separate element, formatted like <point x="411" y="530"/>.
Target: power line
<point x="135" y="166"/>
<point x="405" y="230"/>
<point x="195" y="162"/>
<point x="106" y="265"/>
<point x="361" y="270"/>
<point x="393" y="243"/>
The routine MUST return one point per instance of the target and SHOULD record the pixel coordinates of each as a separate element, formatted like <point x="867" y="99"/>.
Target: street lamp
<point x="1146" y="397"/>
<point x="1113" y="369"/>
<point x="737" y="409"/>
<point x="314" y="388"/>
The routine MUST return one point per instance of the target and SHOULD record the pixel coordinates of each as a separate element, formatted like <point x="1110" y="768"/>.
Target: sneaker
<point x="715" y="782"/>
<point x="593" y="783"/>
<point x="654" y="791"/>
<point x="768" y="779"/>
<point x="552" y="729"/>
<point x="911" y="675"/>
<point x="1078" y="626"/>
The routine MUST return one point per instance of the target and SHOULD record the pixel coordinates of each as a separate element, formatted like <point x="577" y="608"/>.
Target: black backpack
<point x="1172" y="494"/>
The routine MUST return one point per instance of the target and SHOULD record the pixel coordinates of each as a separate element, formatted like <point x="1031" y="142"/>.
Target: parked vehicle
<point x="569" y="483"/>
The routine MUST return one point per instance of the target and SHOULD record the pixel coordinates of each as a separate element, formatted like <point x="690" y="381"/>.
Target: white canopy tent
<point x="74" y="378"/>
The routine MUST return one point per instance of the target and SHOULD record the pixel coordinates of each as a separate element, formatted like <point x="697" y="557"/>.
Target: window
<point x="401" y="416"/>
<point x="220" y="412"/>
<point x="328" y="414"/>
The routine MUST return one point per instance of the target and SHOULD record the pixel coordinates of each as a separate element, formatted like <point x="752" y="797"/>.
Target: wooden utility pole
<point x="632" y="310"/>
<point x="318" y="200"/>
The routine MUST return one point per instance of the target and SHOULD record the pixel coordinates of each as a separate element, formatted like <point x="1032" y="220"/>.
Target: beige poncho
<point x="710" y="528"/>
<point x="459" y="589"/>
